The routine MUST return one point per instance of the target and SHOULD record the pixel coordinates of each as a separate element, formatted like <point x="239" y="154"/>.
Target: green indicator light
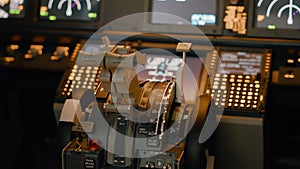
<point x="271" y="27"/>
<point x="92" y="15"/>
<point x="45" y="13"/>
<point x="52" y="18"/>
<point x="14" y="12"/>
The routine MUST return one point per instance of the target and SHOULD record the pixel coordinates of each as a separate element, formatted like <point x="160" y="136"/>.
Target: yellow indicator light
<point x="43" y="13"/>
<point x="271" y="27"/>
<point x="52" y="18"/>
<point x="92" y="15"/>
<point x="14" y="12"/>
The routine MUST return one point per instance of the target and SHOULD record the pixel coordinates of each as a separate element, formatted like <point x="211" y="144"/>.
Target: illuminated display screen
<point x="197" y="12"/>
<point x="12" y="9"/>
<point x="78" y="10"/>
<point x="245" y="63"/>
<point x="274" y="14"/>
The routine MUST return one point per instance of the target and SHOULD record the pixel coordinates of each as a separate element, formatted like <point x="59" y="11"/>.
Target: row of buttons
<point x="37" y="50"/>
<point x="85" y="77"/>
<point x="236" y="91"/>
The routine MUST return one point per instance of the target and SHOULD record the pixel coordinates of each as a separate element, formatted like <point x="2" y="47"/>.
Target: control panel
<point x="240" y="83"/>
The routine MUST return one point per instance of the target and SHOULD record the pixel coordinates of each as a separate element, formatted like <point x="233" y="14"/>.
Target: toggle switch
<point x="34" y="51"/>
<point x="60" y="53"/>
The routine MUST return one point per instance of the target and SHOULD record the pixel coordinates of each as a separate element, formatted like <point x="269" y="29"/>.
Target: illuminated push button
<point x="243" y="101"/>
<point x="240" y="76"/>
<point x="251" y="85"/>
<point x="237" y="96"/>
<point x="236" y="105"/>
<point x="71" y="77"/>
<point x="218" y="75"/>
<point x="231" y="92"/>
<point x="215" y="87"/>
<point x="242" y="105"/>
<point x="290" y="61"/>
<point x="254" y="106"/>
<point x="249" y="97"/>
<point x="77" y="78"/>
<point x="217" y="99"/>
<point x="216" y="83"/>
<point x="237" y="92"/>
<point x="231" y="80"/>
<point x="232" y="76"/>
<point x="238" y="88"/>
<point x="223" y="87"/>
<point x="257" y="85"/>
<point x="243" y="97"/>
<point x="219" y="91"/>
<point x="229" y="104"/>
<point x="217" y="79"/>
<point x="87" y="71"/>
<point x="254" y="102"/>
<point x="230" y="100"/>
<point x="239" y="84"/>
<point x="250" y="93"/>
<point x="231" y="96"/>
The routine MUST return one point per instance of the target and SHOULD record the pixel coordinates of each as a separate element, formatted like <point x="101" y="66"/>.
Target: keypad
<point x="236" y="91"/>
<point x="81" y="77"/>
